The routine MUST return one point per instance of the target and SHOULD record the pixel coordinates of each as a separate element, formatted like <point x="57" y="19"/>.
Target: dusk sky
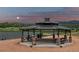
<point x="58" y="13"/>
<point x="12" y="11"/>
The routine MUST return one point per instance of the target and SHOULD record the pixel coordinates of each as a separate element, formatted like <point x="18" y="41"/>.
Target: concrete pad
<point x="45" y="44"/>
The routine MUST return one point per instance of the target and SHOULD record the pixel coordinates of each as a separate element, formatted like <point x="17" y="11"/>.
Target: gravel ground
<point x="14" y="46"/>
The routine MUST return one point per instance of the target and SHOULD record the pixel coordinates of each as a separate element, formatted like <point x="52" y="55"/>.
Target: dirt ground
<point x="13" y="46"/>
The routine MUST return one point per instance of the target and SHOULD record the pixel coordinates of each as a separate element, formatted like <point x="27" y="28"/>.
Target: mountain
<point x="70" y="22"/>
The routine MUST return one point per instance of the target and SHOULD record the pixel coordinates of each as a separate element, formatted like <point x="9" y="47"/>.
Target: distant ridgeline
<point x="71" y="24"/>
<point x="7" y="24"/>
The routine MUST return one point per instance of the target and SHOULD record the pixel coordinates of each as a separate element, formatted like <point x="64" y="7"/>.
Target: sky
<point x="58" y="13"/>
<point x="10" y="11"/>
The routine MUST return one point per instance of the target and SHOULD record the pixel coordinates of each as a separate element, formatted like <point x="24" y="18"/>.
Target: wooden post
<point x="40" y="34"/>
<point x="65" y="36"/>
<point x="22" y="38"/>
<point x="34" y="32"/>
<point x="58" y="40"/>
<point x="28" y="36"/>
<point x="53" y="34"/>
<point x="58" y="33"/>
<point x="28" y="32"/>
<point x="70" y="37"/>
<point x="33" y="40"/>
<point x="65" y="32"/>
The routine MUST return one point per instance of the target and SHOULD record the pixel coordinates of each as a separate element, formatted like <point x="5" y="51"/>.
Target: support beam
<point x="34" y="32"/>
<point x="28" y="35"/>
<point x="40" y="31"/>
<point x="70" y="37"/>
<point x="65" y="32"/>
<point x="40" y="34"/>
<point x="70" y="33"/>
<point x="65" y="36"/>
<point x="22" y="38"/>
<point x="28" y="32"/>
<point x="53" y="34"/>
<point x="58" y="33"/>
<point x="58" y="40"/>
<point x="33" y="40"/>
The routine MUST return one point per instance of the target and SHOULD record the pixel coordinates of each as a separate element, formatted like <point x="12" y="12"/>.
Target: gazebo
<point x="43" y="27"/>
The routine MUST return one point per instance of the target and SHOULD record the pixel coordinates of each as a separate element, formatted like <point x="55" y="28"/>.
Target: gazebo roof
<point x="45" y="27"/>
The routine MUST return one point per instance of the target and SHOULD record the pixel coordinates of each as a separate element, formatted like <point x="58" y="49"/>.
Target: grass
<point x="9" y="29"/>
<point x="16" y="29"/>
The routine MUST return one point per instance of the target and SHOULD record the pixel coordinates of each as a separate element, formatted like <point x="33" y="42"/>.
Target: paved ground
<point x="13" y="46"/>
